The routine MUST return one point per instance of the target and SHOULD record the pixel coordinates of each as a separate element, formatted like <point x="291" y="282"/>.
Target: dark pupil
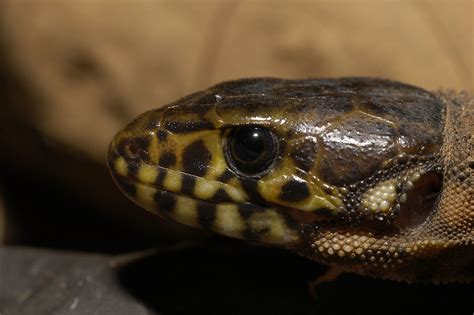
<point x="252" y="149"/>
<point x="249" y="145"/>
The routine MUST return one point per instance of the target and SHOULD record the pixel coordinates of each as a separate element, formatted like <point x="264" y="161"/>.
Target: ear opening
<point x="421" y="201"/>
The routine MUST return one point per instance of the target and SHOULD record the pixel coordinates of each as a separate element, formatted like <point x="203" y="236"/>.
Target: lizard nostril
<point x="131" y="149"/>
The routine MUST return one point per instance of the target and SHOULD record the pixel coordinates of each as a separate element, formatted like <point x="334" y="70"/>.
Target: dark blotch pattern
<point x="221" y="196"/>
<point x="142" y="142"/>
<point x="188" y="184"/>
<point x="294" y="191"/>
<point x="165" y="200"/>
<point x="226" y="176"/>
<point x="206" y="214"/>
<point x="250" y="187"/>
<point x="133" y="165"/>
<point x="168" y="159"/>
<point x="196" y="158"/>
<point x="161" y="178"/>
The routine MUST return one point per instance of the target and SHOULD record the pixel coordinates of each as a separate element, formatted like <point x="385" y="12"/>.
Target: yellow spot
<point x="235" y="190"/>
<point x="205" y="188"/>
<point x="121" y="166"/>
<point x="228" y="221"/>
<point x="144" y="196"/>
<point x="147" y="174"/>
<point x="217" y="165"/>
<point x="185" y="211"/>
<point x="172" y="181"/>
<point x="235" y="194"/>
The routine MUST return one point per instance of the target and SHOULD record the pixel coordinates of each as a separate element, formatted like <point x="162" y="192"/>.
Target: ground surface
<point x="225" y="278"/>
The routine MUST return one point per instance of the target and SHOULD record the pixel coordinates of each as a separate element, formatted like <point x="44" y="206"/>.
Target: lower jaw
<point x="241" y="221"/>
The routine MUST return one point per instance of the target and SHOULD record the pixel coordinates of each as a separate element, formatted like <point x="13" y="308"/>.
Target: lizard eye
<point x="251" y="150"/>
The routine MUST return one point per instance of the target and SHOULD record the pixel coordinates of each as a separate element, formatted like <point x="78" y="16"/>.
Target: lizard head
<point x="344" y="171"/>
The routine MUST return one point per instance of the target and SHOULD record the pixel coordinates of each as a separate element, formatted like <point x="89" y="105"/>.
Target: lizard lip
<point x="128" y="186"/>
<point x="238" y="220"/>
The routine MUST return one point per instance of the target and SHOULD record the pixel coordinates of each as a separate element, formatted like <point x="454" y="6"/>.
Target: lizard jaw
<point x="237" y="220"/>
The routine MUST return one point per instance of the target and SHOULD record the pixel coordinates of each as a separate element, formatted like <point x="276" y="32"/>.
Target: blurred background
<point x="73" y="73"/>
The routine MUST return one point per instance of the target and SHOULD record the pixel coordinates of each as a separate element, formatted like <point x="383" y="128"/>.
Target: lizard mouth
<point x="242" y="220"/>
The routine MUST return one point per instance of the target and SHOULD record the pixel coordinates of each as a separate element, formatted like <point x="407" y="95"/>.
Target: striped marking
<point x="206" y="214"/>
<point x="165" y="201"/>
<point x="228" y="221"/>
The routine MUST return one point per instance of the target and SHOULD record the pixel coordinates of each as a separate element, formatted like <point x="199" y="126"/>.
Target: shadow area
<point x="229" y="278"/>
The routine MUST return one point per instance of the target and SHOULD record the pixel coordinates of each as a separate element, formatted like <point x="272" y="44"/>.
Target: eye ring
<point x="250" y="150"/>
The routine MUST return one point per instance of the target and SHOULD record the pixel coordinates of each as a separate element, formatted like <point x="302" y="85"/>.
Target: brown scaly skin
<point x="441" y="249"/>
<point x="369" y="175"/>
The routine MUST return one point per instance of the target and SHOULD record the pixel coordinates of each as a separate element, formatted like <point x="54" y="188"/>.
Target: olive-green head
<point x="262" y="159"/>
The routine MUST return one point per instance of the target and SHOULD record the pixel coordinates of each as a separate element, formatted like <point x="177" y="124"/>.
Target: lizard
<point x="370" y="175"/>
